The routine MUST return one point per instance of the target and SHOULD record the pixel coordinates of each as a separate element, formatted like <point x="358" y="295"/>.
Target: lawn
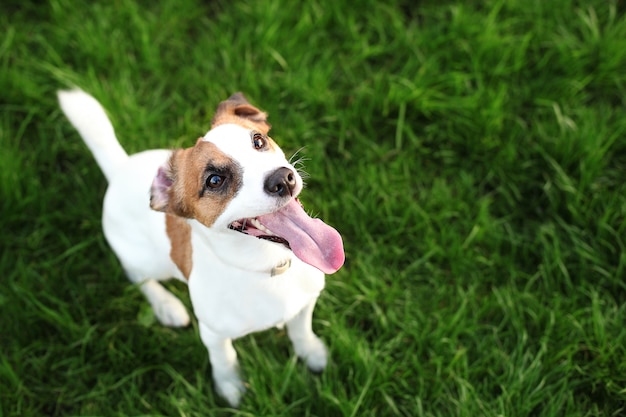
<point x="471" y="153"/>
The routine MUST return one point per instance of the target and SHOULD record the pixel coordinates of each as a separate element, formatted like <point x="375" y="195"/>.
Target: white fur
<point x="89" y="118"/>
<point x="230" y="286"/>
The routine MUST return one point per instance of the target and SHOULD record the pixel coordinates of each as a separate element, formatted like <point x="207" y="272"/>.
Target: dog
<point x="222" y="216"/>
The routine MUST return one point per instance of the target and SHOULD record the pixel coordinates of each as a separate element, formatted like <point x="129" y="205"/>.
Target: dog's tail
<point x="89" y="118"/>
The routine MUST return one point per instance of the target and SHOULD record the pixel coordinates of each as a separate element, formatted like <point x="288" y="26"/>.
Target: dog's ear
<point x="238" y="107"/>
<point x="163" y="192"/>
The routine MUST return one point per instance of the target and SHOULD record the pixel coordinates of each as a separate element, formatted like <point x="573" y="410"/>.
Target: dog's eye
<point x="214" y="181"/>
<point x="258" y="141"/>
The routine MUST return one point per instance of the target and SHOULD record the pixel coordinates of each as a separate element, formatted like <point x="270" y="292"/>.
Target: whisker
<point x="296" y="154"/>
<point x="302" y="172"/>
<point x="298" y="164"/>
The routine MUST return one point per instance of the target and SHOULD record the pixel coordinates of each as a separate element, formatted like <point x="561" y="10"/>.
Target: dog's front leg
<point x="307" y="345"/>
<point x="224" y="365"/>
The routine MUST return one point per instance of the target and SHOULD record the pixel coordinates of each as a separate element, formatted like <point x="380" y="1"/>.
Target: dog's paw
<point x="231" y="389"/>
<point x="314" y="353"/>
<point x="171" y="312"/>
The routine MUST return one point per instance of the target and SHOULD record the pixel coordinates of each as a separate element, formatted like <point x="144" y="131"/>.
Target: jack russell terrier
<point x="222" y="216"/>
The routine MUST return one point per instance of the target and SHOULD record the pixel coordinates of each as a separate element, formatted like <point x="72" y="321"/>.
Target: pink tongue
<point x="311" y="240"/>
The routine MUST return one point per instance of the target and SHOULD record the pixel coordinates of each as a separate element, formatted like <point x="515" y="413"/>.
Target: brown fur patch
<point x="179" y="232"/>
<point x="189" y="169"/>
<point x="237" y="110"/>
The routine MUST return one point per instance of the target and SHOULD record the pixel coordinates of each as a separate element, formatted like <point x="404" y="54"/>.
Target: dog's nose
<point x="280" y="182"/>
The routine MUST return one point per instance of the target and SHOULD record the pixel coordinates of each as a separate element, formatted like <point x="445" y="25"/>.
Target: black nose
<point x="280" y="182"/>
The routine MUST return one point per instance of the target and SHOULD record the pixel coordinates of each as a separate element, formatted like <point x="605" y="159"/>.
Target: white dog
<point x="222" y="216"/>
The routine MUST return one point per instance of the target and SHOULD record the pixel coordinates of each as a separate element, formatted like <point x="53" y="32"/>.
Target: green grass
<point x="472" y="154"/>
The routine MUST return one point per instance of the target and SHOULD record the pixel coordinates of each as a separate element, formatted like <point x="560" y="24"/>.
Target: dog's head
<point x="236" y="179"/>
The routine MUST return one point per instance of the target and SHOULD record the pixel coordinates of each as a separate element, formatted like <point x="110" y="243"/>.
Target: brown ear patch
<point x="161" y="185"/>
<point x="236" y="109"/>
<point x="179" y="233"/>
<point x="165" y="193"/>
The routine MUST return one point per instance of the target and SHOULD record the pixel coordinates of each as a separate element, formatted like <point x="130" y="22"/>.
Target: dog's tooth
<point x="259" y="226"/>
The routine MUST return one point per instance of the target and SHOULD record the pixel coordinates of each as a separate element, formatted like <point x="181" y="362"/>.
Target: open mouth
<point x="254" y="228"/>
<point x="311" y="240"/>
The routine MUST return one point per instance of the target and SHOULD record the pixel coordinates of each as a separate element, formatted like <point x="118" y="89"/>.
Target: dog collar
<point x="281" y="268"/>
